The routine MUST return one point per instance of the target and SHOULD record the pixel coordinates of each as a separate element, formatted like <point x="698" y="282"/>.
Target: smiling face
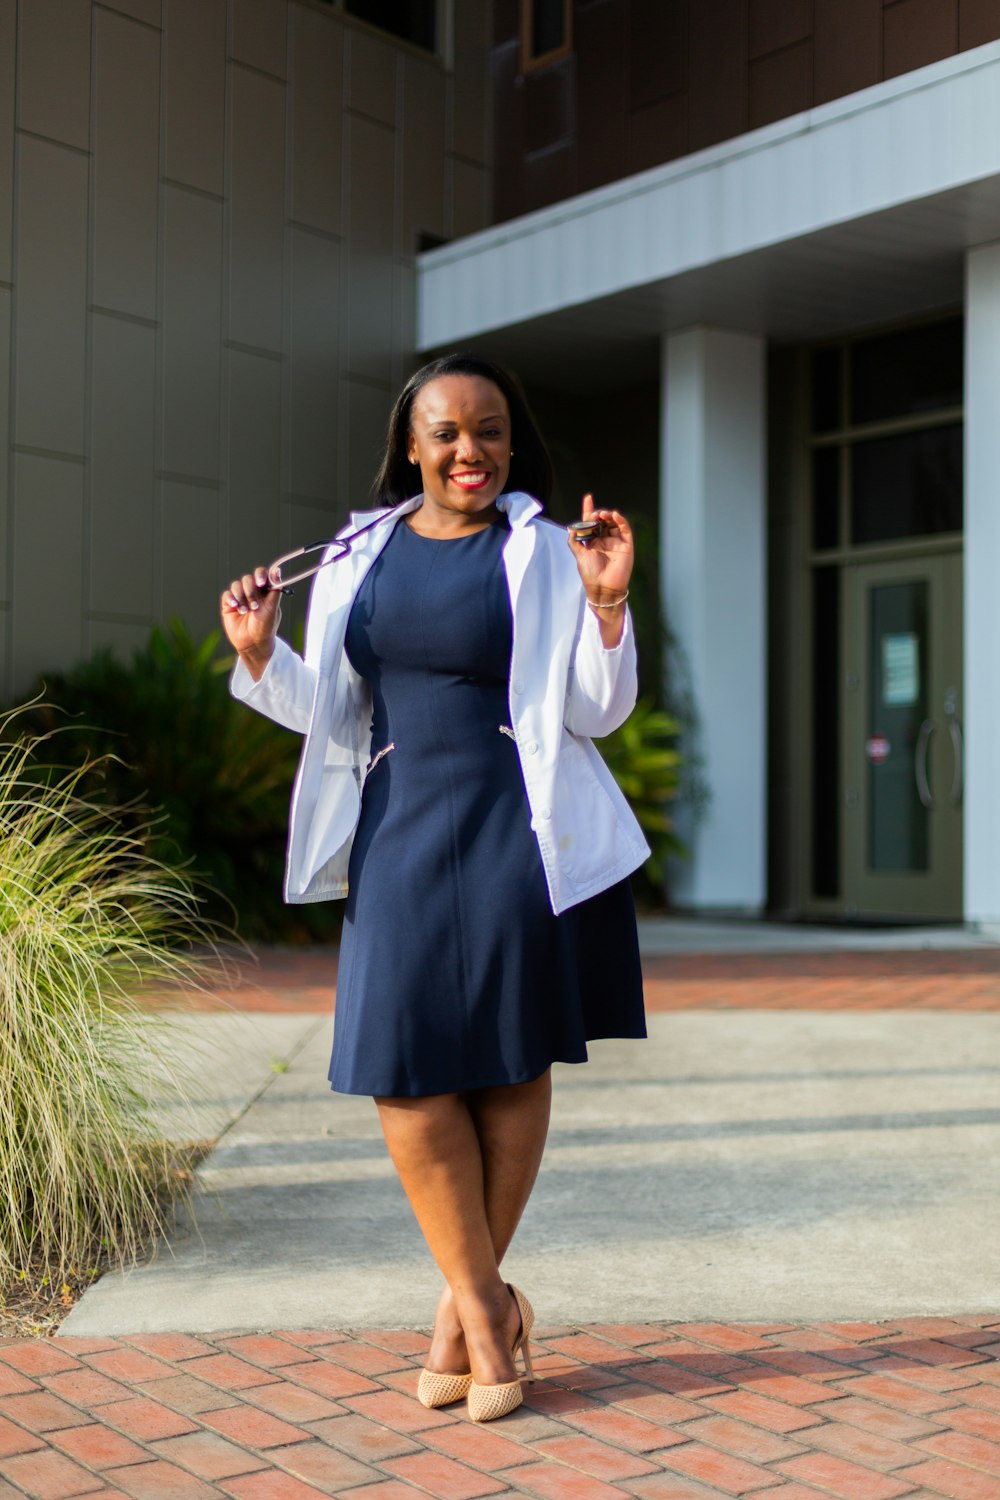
<point x="460" y="436"/>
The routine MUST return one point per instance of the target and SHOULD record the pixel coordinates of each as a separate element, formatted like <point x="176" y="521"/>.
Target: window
<point x="546" y="32"/>
<point x="411" y="20"/>
<point x="887" y="437"/>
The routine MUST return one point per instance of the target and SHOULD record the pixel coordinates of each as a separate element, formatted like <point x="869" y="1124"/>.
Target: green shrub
<point x="163" y="732"/>
<point x="643" y="758"/>
<point x="86" y="917"/>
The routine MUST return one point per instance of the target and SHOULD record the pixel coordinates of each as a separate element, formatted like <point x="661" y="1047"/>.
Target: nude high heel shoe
<point x="487" y="1402"/>
<point x="436" y="1389"/>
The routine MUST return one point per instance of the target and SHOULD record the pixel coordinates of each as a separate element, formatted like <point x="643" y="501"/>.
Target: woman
<point x="456" y="663"/>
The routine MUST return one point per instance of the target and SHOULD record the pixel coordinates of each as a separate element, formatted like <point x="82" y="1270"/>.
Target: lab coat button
<point x="519" y="686"/>
<point x="532" y="747"/>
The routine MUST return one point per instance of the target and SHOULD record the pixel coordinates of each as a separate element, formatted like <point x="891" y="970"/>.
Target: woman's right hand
<point x="251" y="612"/>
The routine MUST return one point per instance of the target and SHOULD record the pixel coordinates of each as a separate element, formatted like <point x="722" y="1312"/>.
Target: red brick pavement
<point x="967" y="979"/>
<point x="659" y="1411"/>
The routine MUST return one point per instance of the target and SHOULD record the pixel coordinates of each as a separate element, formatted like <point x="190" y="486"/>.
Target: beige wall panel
<point x="51" y="296"/>
<point x="126" y="164"/>
<point x="471" y="96"/>
<point x="371" y="75"/>
<point x="8" y="35"/>
<point x="123" y="403"/>
<point x="124" y="638"/>
<point x="423" y="143"/>
<point x="314" y="364"/>
<point x="192" y="329"/>
<point x="469" y="196"/>
<point x="371" y="157"/>
<point x="54" y="48"/>
<point x="47" y="603"/>
<point x="254" y="528"/>
<point x="316" y="95"/>
<point x="6" y="690"/>
<point x="195" y="92"/>
<point x="5" y="308"/>
<point x="142" y="10"/>
<point x="405" y="359"/>
<point x="193" y="576"/>
<point x="256" y="209"/>
<point x="306" y="523"/>
<point x="368" y="411"/>
<point x="260" y="28"/>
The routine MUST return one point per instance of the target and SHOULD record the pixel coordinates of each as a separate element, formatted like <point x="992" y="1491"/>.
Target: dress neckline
<point x="500" y="524"/>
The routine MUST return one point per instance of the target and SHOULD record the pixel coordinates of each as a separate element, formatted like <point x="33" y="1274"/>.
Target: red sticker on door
<point x="877" y="749"/>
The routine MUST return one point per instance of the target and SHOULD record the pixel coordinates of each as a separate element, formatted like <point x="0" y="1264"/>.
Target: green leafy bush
<point x="644" y="760"/>
<point x="162" y="731"/>
<point x="86" y="917"/>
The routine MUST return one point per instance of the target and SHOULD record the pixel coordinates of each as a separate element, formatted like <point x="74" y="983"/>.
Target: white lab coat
<point x="564" y="688"/>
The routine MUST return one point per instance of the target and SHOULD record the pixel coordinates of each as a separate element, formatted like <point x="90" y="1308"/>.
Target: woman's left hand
<point x="605" y="562"/>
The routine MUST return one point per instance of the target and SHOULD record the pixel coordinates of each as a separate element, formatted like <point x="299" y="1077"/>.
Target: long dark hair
<point x="530" y="465"/>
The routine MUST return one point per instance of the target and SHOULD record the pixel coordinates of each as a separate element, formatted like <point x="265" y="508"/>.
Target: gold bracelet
<point x="613" y="605"/>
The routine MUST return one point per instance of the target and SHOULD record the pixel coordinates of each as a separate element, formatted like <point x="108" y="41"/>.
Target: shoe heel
<point x="527" y="1312"/>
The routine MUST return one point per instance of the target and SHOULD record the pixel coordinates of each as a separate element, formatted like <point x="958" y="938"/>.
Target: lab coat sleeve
<point x="603" y="684"/>
<point x="285" y="691"/>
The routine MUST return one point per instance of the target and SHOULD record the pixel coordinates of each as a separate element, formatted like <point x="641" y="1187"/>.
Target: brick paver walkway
<point x="964" y="979"/>
<point x="661" y="1411"/>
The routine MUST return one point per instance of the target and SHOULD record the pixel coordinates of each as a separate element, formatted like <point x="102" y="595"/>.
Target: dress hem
<point x="527" y="1075"/>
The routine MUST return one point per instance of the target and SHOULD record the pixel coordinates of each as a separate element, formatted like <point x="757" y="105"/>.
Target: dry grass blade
<point x="86" y="918"/>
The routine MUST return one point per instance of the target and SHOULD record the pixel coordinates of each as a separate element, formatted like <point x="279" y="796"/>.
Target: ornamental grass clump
<point x="86" y="918"/>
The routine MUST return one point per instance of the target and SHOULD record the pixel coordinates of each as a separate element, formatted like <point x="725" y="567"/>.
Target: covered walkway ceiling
<point x="856" y="213"/>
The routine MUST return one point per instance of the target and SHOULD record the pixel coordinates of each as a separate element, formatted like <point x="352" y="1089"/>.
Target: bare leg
<point x="511" y="1123"/>
<point x="467" y="1164"/>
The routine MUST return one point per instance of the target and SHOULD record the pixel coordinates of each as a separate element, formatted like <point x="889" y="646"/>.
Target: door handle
<point x="958" y="773"/>
<point x="920" y="763"/>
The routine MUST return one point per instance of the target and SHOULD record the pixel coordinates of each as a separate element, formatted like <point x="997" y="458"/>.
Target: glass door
<point x="902" y="745"/>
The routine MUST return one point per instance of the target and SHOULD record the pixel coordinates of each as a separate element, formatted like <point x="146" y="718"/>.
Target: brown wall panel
<point x="780" y="84"/>
<point x="506" y="20"/>
<point x="548" y="114"/>
<point x="508" y="132"/>
<point x="602" y="93"/>
<point x="658" y="133"/>
<point x="847" y="47"/>
<point x="978" y="22"/>
<point x="717" y="108"/>
<point x="549" y="176"/>
<point x="650" y="80"/>
<point x="777" y="23"/>
<point x="658" y="46"/>
<point x="918" y="32"/>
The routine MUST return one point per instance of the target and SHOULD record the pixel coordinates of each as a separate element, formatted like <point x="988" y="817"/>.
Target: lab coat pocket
<point x="584" y="815"/>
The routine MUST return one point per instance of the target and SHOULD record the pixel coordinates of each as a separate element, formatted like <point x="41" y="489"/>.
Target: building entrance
<point x="884" y="561"/>
<point x="902" y="748"/>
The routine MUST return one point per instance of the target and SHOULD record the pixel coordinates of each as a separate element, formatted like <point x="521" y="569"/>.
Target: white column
<point x="982" y="584"/>
<point x="713" y="499"/>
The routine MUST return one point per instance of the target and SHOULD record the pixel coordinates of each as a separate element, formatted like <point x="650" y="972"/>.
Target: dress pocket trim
<point x="376" y="758"/>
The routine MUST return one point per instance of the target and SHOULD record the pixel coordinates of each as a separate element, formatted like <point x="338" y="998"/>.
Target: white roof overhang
<point x="854" y="213"/>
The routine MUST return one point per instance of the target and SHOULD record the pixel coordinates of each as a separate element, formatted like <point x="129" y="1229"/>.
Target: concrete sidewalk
<point x="740" y="1164"/>
<point x="762" y="1252"/>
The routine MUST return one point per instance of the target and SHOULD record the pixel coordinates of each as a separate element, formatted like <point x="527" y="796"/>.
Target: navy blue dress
<point x="454" y="972"/>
